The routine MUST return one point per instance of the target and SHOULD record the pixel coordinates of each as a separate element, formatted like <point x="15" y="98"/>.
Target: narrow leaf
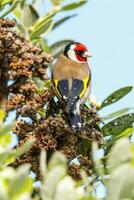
<point x="43" y="20"/>
<point x="116" y="114"/>
<point x="35" y="14"/>
<point x="17" y="12"/>
<point x="120" y="153"/>
<point x="117" y="126"/>
<point x="43" y="164"/>
<point x="74" y="5"/>
<point x="26" y="147"/>
<point x="121" y="183"/>
<point x="21" y="28"/>
<point x="10" y="9"/>
<point x="126" y="133"/>
<point x="44" y="45"/>
<point x="52" y="180"/>
<point x="4" y="2"/>
<point x="6" y="158"/>
<point x="56" y="2"/>
<point x="116" y="96"/>
<point x="42" y="29"/>
<point x="21" y="184"/>
<point x="5" y="129"/>
<point x="5" y="141"/>
<point x="61" y="21"/>
<point x="2" y="115"/>
<point x="39" y="83"/>
<point x="57" y="159"/>
<point x="36" y="4"/>
<point x="26" y="16"/>
<point x="47" y="84"/>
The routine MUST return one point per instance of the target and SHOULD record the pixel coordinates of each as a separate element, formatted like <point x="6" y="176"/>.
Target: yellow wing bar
<point x="85" y="81"/>
<point x="56" y="87"/>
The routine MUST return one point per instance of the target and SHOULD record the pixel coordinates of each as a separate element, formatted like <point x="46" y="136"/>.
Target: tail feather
<point x="74" y="94"/>
<point x="71" y="104"/>
<point x="75" y="122"/>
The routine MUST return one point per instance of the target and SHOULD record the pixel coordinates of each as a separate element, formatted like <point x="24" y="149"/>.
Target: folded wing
<point x="71" y="94"/>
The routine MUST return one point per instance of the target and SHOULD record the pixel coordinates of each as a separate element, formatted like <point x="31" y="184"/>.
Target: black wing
<point x="70" y="95"/>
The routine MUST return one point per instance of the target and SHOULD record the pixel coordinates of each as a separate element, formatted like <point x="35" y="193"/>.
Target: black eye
<point x="78" y="52"/>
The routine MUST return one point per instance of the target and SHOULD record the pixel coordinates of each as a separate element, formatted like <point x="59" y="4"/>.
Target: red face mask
<point x="79" y="51"/>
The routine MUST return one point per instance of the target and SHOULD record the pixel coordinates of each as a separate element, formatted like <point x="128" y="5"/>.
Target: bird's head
<point x="77" y="52"/>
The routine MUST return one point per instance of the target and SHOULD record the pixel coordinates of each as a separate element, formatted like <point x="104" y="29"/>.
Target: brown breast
<point x="65" y="68"/>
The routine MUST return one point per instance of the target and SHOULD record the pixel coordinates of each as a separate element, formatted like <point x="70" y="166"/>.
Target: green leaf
<point x="10" y="9"/>
<point x="26" y="16"/>
<point x="116" y="96"/>
<point x="57" y="159"/>
<point x="21" y="184"/>
<point x="128" y="132"/>
<point x="21" y="28"/>
<point x="35" y="14"/>
<point x="5" y="175"/>
<point x="39" y="83"/>
<point x="52" y="180"/>
<point x="73" y="5"/>
<point x="2" y="115"/>
<point x="120" y="153"/>
<point x="117" y="126"/>
<point x="69" y="193"/>
<point x="43" y="20"/>
<point x="121" y="183"/>
<point x="6" y="158"/>
<point x="17" y="12"/>
<point x="44" y="45"/>
<point x="22" y="3"/>
<point x="5" y="140"/>
<point x="99" y="168"/>
<point x="56" y="2"/>
<point x="58" y="47"/>
<point x="43" y="164"/>
<point x="23" y="149"/>
<point x="5" y="129"/>
<point x="47" y="84"/>
<point x="61" y="21"/>
<point x="3" y="194"/>
<point x="4" y="2"/>
<point x="42" y="29"/>
<point x="116" y="114"/>
<point x="55" y="172"/>
<point x="36" y="4"/>
<point x="42" y="25"/>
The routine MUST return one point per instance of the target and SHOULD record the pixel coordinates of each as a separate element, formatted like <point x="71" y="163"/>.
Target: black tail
<point x="75" y="122"/>
<point x="74" y="94"/>
<point x="71" y="104"/>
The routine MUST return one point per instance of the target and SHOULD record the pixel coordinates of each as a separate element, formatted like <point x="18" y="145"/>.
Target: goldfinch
<point x="71" y="79"/>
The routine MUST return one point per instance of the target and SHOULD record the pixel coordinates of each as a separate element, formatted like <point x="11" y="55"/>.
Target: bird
<point x="71" y="81"/>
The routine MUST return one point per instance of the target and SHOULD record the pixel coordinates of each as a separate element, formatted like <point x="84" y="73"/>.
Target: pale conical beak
<point x="87" y="54"/>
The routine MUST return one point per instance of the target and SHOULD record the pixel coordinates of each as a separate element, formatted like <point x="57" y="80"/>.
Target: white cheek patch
<point x="72" y="56"/>
<point x="72" y="47"/>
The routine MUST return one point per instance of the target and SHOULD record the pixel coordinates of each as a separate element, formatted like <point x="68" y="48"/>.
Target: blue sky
<point x="106" y="27"/>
